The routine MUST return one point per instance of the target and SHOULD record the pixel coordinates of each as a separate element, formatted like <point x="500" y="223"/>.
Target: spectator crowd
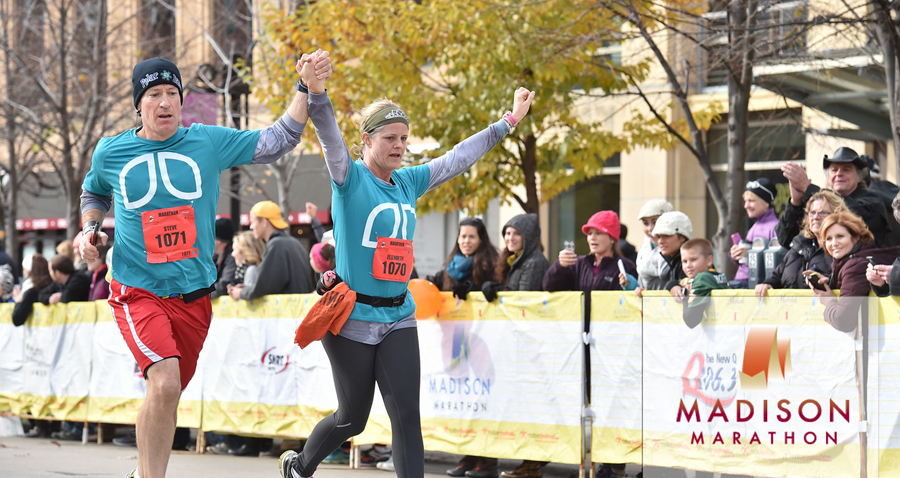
<point x="837" y="237"/>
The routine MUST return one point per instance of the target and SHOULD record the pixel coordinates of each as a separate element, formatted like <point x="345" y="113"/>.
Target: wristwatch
<point x="92" y="228"/>
<point x="301" y="87"/>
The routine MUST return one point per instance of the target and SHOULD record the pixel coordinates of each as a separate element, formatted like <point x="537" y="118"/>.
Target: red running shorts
<point x="157" y="328"/>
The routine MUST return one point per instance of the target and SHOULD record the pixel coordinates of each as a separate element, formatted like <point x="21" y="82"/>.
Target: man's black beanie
<point x="152" y="72"/>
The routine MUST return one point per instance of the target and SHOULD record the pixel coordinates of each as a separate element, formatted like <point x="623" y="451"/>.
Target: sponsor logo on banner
<point x="463" y="388"/>
<point x="710" y="396"/>
<point x="274" y="362"/>
<point x="765" y="357"/>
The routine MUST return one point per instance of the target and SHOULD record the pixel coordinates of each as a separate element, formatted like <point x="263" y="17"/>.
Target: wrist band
<point x="509" y="117"/>
<point x="301" y="87"/>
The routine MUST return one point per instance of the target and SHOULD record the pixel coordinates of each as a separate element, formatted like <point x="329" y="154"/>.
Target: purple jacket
<point x="764" y="227"/>
<point x="581" y="275"/>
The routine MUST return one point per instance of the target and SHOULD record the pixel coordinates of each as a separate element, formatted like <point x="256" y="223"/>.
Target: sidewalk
<point x="45" y="458"/>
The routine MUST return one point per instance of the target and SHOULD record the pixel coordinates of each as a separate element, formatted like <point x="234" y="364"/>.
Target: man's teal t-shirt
<point x="145" y="175"/>
<point x="366" y="208"/>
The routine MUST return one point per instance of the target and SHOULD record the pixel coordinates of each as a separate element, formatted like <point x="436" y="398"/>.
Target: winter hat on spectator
<point x="606" y="222"/>
<point x="152" y="72"/>
<point x="224" y="229"/>
<point x="763" y="188"/>
<point x="26" y="262"/>
<point x="270" y="211"/>
<point x="655" y="207"/>
<point x="675" y="222"/>
<point x="844" y="155"/>
<point x="321" y="262"/>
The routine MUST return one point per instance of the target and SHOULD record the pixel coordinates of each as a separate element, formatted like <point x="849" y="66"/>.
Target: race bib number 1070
<point x="393" y="259"/>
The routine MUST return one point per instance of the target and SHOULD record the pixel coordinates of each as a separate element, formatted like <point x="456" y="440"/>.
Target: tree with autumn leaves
<point x="452" y="67"/>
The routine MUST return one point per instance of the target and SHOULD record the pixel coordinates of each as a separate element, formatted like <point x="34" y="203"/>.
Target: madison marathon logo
<point x="744" y="421"/>
<point x="766" y="357"/>
<point x="466" y="386"/>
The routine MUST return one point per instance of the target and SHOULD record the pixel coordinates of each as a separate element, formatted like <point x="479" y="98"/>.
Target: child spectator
<point x="700" y="279"/>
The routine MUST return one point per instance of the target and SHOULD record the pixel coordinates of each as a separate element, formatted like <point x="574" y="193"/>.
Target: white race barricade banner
<point x="255" y="379"/>
<point x="759" y="387"/>
<point x="12" y="362"/>
<point x="616" y="392"/>
<point x="501" y="379"/>
<point x="51" y="376"/>
<point x="884" y="383"/>
<point x="117" y="385"/>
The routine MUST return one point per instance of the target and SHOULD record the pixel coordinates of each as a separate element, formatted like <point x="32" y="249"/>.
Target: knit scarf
<point x="513" y="257"/>
<point x="460" y="266"/>
<point x="239" y="273"/>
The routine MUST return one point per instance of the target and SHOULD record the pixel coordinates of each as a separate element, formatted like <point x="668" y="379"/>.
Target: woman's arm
<point x="284" y="135"/>
<point x="842" y="313"/>
<point x="559" y="278"/>
<point x="471" y="149"/>
<point x="321" y="112"/>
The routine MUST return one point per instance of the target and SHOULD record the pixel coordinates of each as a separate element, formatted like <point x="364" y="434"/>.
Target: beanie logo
<point x="148" y="78"/>
<point x="166" y="75"/>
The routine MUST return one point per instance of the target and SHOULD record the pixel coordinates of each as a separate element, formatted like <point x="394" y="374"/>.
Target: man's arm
<point x="284" y="135"/>
<point x="93" y="208"/>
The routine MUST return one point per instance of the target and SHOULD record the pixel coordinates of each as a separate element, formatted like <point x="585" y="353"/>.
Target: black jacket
<point x="527" y="272"/>
<point x="864" y="203"/>
<point x="76" y="289"/>
<point x="805" y="254"/>
<point x="676" y="273"/>
<point x="284" y="269"/>
<point x="225" y="267"/>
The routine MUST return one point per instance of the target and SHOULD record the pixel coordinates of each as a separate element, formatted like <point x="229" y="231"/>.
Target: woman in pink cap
<point x="598" y="270"/>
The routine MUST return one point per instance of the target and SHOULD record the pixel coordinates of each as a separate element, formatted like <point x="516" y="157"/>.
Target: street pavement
<point x="22" y="457"/>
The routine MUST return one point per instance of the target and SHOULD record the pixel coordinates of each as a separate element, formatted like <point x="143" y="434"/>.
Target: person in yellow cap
<point x="285" y="267"/>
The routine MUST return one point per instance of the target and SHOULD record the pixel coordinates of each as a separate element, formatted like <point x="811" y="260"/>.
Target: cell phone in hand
<point x="622" y="268"/>
<point x="736" y="238"/>
<point x="813" y="279"/>
<point x="871" y="260"/>
<point x="569" y="245"/>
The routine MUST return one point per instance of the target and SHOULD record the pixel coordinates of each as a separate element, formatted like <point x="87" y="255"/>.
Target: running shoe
<point x="285" y="462"/>
<point x="337" y="457"/>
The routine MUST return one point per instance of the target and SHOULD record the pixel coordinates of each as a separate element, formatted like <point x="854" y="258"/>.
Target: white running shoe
<point x="386" y="465"/>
